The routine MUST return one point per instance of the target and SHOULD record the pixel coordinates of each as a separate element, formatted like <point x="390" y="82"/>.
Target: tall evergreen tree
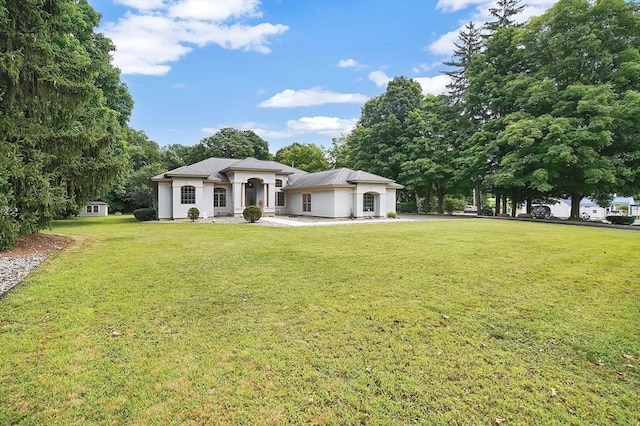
<point x="60" y="141"/>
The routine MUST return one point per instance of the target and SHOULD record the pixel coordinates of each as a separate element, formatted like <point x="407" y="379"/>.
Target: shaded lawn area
<point x="439" y="322"/>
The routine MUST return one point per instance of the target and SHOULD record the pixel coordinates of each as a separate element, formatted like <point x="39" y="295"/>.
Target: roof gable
<point x="215" y="169"/>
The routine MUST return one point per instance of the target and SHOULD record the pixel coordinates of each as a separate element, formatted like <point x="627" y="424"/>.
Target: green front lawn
<point x="439" y="322"/>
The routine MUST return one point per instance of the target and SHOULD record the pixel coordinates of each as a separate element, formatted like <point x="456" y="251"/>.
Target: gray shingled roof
<point x="338" y="177"/>
<point x="213" y="168"/>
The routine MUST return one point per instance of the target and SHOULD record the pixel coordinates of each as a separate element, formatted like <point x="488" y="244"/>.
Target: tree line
<point x="550" y="108"/>
<point x="535" y="111"/>
<point x="64" y="113"/>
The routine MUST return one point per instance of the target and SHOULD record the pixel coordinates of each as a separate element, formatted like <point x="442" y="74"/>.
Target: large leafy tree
<point x="307" y="157"/>
<point x="571" y="130"/>
<point x="231" y="143"/>
<point x="435" y="131"/>
<point x="378" y="142"/>
<point x="61" y="140"/>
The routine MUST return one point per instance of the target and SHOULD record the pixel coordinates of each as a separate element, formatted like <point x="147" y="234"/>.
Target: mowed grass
<point x="439" y="322"/>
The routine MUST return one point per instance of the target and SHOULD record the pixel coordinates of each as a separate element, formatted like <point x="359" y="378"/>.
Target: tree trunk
<point x="497" y="205"/>
<point x="427" y="201"/>
<point x="441" y="193"/>
<point x="478" y="199"/>
<point x="575" y="205"/>
<point x="529" y="205"/>
<point x="514" y="204"/>
<point x="504" y="204"/>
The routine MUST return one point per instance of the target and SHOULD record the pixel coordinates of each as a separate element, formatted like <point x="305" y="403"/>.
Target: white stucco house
<point x="94" y="208"/>
<point x="225" y="186"/>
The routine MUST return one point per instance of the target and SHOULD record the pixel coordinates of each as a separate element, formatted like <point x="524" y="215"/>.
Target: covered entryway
<point x="254" y="193"/>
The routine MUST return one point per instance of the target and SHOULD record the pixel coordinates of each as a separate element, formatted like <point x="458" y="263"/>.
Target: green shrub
<point x="453" y="205"/>
<point x="392" y="215"/>
<point x="193" y="213"/>
<point x="9" y="232"/>
<point x="621" y="220"/>
<point x="406" y="207"/>
<point x="486" y="211"/>
<point x="145" y="214"/>
<point x="252" y="213"/>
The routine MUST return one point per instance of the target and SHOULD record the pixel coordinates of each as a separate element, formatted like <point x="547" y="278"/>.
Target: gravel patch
<point x="13" y="269"/>
<point x="29" y="252"/>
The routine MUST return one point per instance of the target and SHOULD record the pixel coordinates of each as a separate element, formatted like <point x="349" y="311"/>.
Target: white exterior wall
<point x="322" y="204"/>
<point x="380" y="199"/>
<point x="343" y="202"/>
<point x="595" y="212"/>
<point x="294" y="203"/>
<point x="165" y="201"/>
<point x="391" y="201"/>
<point x="103" y="210"/>
<point x="180" y="210"/>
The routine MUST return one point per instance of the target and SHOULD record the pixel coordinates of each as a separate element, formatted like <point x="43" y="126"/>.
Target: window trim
<point x="368" y="207"/>
<point x="187" y="194"/>
<point x="306" y="202"/>
<point x="219" y="193"/>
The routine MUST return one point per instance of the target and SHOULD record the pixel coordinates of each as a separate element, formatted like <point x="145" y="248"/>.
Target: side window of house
<point x="367" y="202"/>
<point x="278" y="183"/>
<point x="95" y="209"/>
<point x="280" y="199"/>
<point x="188" y="195"/>
<point x="306" y="203"/>
<point x="219" y="197"/>
<point x="88" y="209"/>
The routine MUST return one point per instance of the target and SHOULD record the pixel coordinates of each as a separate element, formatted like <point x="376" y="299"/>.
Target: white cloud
<point x="379" y="78"/>
<point x="434" y="85"/>
<point x="425" y="67"/>
<point x="322" y="125"/>
<point x="348" y="63"/>
<point x="163" y="32"/>
<point x="445" y="44"/>
<point x="309" y="97"/>
<point x="319" y="125"/>
<point x="214" y="10"/>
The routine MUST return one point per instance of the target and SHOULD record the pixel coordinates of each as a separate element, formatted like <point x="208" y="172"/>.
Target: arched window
<point x="368" y="202"/>
<point x="219" y="197"/>
<point x="188" y="194"/>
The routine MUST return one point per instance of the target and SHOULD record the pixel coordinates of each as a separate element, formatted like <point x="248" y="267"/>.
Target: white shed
<point x="95" y="208"/>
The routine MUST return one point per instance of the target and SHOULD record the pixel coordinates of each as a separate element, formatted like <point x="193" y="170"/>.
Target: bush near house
<point x="145" y="214"/>
<point x="453" y="205"/>
<point x="193" y="213"/>
<point x="252" y="213"/>
<point x="392" y="215"/>
<point x="621" y="220"/>
<point x="486" y="211"/>
<point x="406" y="207"/>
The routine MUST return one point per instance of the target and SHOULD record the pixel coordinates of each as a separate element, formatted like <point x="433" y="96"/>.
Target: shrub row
<point x="406" y="207"/>
<point x="621" y="220"/>
<point x="145" y="214"/>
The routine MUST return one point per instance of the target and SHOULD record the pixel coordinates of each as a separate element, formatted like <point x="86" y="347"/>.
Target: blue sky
<point x="290" y="70"/>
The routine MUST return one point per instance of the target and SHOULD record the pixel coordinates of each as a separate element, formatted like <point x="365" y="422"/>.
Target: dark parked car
<point x="541" y="212"/>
